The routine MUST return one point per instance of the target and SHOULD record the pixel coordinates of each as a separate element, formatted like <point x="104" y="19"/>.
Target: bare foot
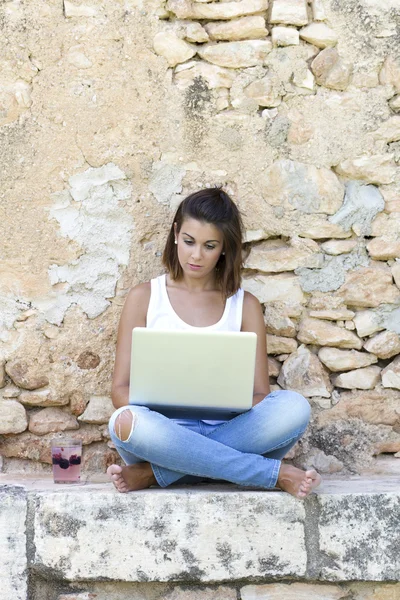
<point x="132" y="477"/>
<point x="297" y="482"/>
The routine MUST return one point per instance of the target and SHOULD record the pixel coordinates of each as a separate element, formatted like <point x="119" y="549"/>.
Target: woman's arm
<point x="133" y="315"/>
<point x="253" y="320"/>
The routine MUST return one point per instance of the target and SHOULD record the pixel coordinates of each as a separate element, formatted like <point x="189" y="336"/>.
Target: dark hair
<point x="212" y="206"/>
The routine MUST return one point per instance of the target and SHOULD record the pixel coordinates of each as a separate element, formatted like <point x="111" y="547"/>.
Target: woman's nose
<point x="196" y="252"/>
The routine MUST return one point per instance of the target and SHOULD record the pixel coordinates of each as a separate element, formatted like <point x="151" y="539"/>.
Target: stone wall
<point x="110" y="113"/>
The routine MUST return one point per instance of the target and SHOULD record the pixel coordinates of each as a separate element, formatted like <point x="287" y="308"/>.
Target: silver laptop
<point x="193" y="374"/>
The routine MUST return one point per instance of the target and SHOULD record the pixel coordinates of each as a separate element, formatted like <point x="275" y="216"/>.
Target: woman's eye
<point x="210" y="247"/>
<point x="188" y="242"/>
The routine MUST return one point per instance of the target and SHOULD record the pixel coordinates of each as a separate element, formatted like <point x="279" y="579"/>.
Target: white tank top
<point x="161" y="315"/>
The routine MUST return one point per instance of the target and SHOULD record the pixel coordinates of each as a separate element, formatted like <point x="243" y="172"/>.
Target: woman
<point x="203" y="258"/>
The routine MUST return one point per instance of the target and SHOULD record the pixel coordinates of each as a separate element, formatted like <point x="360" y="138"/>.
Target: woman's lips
<point x="194" y="267"/>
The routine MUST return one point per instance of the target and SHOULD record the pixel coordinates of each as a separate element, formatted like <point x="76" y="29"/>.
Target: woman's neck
<point x="195" y="285"/>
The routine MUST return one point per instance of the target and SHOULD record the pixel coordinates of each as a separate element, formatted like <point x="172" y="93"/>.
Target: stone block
<point x="359" y="547"/>
<point x="236" y="55"/>
<point x="319" y="35"/>
<point x="289" y="12"/>
<point x="292" y="591"/>
<point x="274" y="256"/>
<point x="277" y="344"/>
<point x="378" y="168"/>
<point x="13" y="417"/>
<point x="359" y="379"/>
<point x="13" y="543"/>
<point x="304" y="373"/>
<point x="391" y="374"/>
<point x="26" y="376"/>
<point x="345" y="360"/>
<point x="384" y="345"/>
<point x="369" y="287"/>
<point x="330" y="70"/>
<point x="383" y="248"/>
<point x="98" y="411"/>
<point x="184" y="9"/>
<point x="216" y="77"/>
<point x="172" y="48"/>
<point x="285" y="36"/>
<point x="317" y="331"/>
<point x="306" y="188"/>
<point x="283" y="288"/>
<point x="51" y="420"/>
<point x="168" y="535"/>
<point x="336" y="247"/>
<point x="246" y="28"/>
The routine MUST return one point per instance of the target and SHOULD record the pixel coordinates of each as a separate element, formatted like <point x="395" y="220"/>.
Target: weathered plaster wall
<point x="110" y="113"/>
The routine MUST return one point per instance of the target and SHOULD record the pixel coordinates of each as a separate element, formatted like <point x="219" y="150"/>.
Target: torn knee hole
<point x="124" y="425"/>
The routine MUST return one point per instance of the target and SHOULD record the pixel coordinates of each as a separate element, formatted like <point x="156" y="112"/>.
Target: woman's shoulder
<point x="250" y="301"/>
<point x="139" y="295"/>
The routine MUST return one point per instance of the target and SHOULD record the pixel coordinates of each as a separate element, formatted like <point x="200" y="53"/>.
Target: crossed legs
<point x="246" y="450"/>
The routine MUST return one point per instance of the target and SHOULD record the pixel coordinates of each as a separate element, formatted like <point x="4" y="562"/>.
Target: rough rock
<point x="394" y="103"/>
<point x="78" y="10"/>
<point x="285" y="36"/>
<point x="391" y="374"/>
<point x="378" y="168"/>
<point x="388" y="131"/>
<point x="280" y="345"/>
<point x="25" y="375"/>
<point x="368" y="287"/>
<point x="274" y="256"/>
<point x="2" y="374"/>
<point x="360" y="379"/>
<point x="172" y="48"/>
<point x="386" y="225"/>
<point x="195" y="33"/>
<point x="336" y="247"/>
<point x="289" y="12"/>
<point x="264" y="91"/>
<point x="10" y="391"/>
<point x="274" y="366"/>
<point x="51" y="420"/>
<point x="78" y="402"/>
<point x="361" y="205"/>
<point x="320" y="228"/>
<point x="304" y="373"/>
<point x="332" y="315"/>
<point x="283" y="288"/>
<point x="330" y="70"/>
<point x="33" y="447"/>
<point x="246" y="28"/>
<point x="88" y="360"/>
<point x="383" y="248"/>
<point x="390" y="73"/>
<point x="318" y="10"/>
<point x="323" y="463"/>
<point x="215" y="77"/>
<point x="98" y="411"/>
<point x="316" y="331"/>
<point x="165" y="181"/>
<point x="377" y="407"/>
<point x="319" y="35"/>
<point x="97" y="457"/>
<point x="235" y="55"/>
<point x="345" y="360"/>
<point x="304" y="79"/>
<point x="13" y="417"/>
<point x="13" y="555"/>
<point x="384" y="345"/>
<point x="144" y="516"/>
<point x="184" y="9"/>
<point x="292" y="591"/>
<point x="367" y="322"/>
<point x="43" y="398"/>
<point x="306" y="188"/>
<point x="278" y="324"/>
<point x="396" y="273"/>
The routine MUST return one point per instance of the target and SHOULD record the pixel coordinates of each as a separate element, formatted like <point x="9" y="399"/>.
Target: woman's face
<point x="199" y="247"/>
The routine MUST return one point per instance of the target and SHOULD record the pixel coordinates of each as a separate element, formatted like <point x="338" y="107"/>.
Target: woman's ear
<point x="175" y="230"/>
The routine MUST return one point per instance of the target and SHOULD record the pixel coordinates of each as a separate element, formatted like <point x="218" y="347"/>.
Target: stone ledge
<point x="348" y="531"/>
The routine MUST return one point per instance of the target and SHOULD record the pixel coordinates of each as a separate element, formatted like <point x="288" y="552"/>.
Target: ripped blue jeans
<point x="247" y="450"/>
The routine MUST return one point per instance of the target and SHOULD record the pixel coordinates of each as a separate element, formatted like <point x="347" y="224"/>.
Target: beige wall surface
<point x="111" y="112"/>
